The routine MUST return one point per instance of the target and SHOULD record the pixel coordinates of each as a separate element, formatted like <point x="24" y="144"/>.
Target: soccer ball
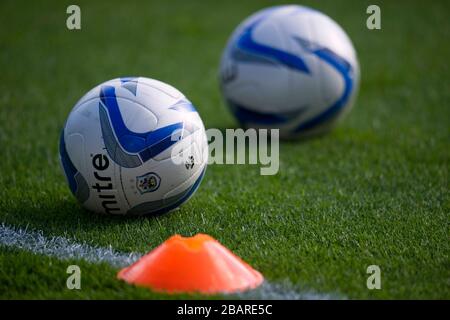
<point x="289" y="67"/>
<point x="133" y="146"/>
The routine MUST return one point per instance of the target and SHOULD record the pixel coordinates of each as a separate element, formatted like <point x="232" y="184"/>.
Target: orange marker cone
<point x="193" y="264"/>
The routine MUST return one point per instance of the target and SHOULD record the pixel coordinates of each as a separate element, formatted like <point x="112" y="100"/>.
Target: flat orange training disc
<point x="194" y="264"/>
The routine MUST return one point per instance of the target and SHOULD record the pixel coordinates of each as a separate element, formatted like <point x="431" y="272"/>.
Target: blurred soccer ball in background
<point x="117" y="148"/>
<point x="289" y="67"/>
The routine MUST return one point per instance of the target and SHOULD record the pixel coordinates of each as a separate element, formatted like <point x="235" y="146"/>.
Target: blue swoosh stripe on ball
<point x="344" y="68"/>
<point x="157" y="148"/>
<point x="134" y="142"/>
<point x="69" y="168"/>
<point x="246" y="43"/>
<point x="77" y="184"/>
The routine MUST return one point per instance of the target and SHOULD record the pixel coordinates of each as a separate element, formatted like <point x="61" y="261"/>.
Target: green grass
<point x="374" y="191"/>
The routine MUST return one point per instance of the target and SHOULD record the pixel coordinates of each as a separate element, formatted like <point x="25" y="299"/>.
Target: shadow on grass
<point x="65" y="216"/>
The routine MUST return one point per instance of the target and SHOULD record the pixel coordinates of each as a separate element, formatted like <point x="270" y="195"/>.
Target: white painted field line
<point x="64" y="249"/>
<point x="284" y="291"/>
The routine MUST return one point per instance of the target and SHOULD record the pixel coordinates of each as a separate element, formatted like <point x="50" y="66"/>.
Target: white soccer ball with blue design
<point x="289" y="67"/>
<point x="133" y="146"/>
